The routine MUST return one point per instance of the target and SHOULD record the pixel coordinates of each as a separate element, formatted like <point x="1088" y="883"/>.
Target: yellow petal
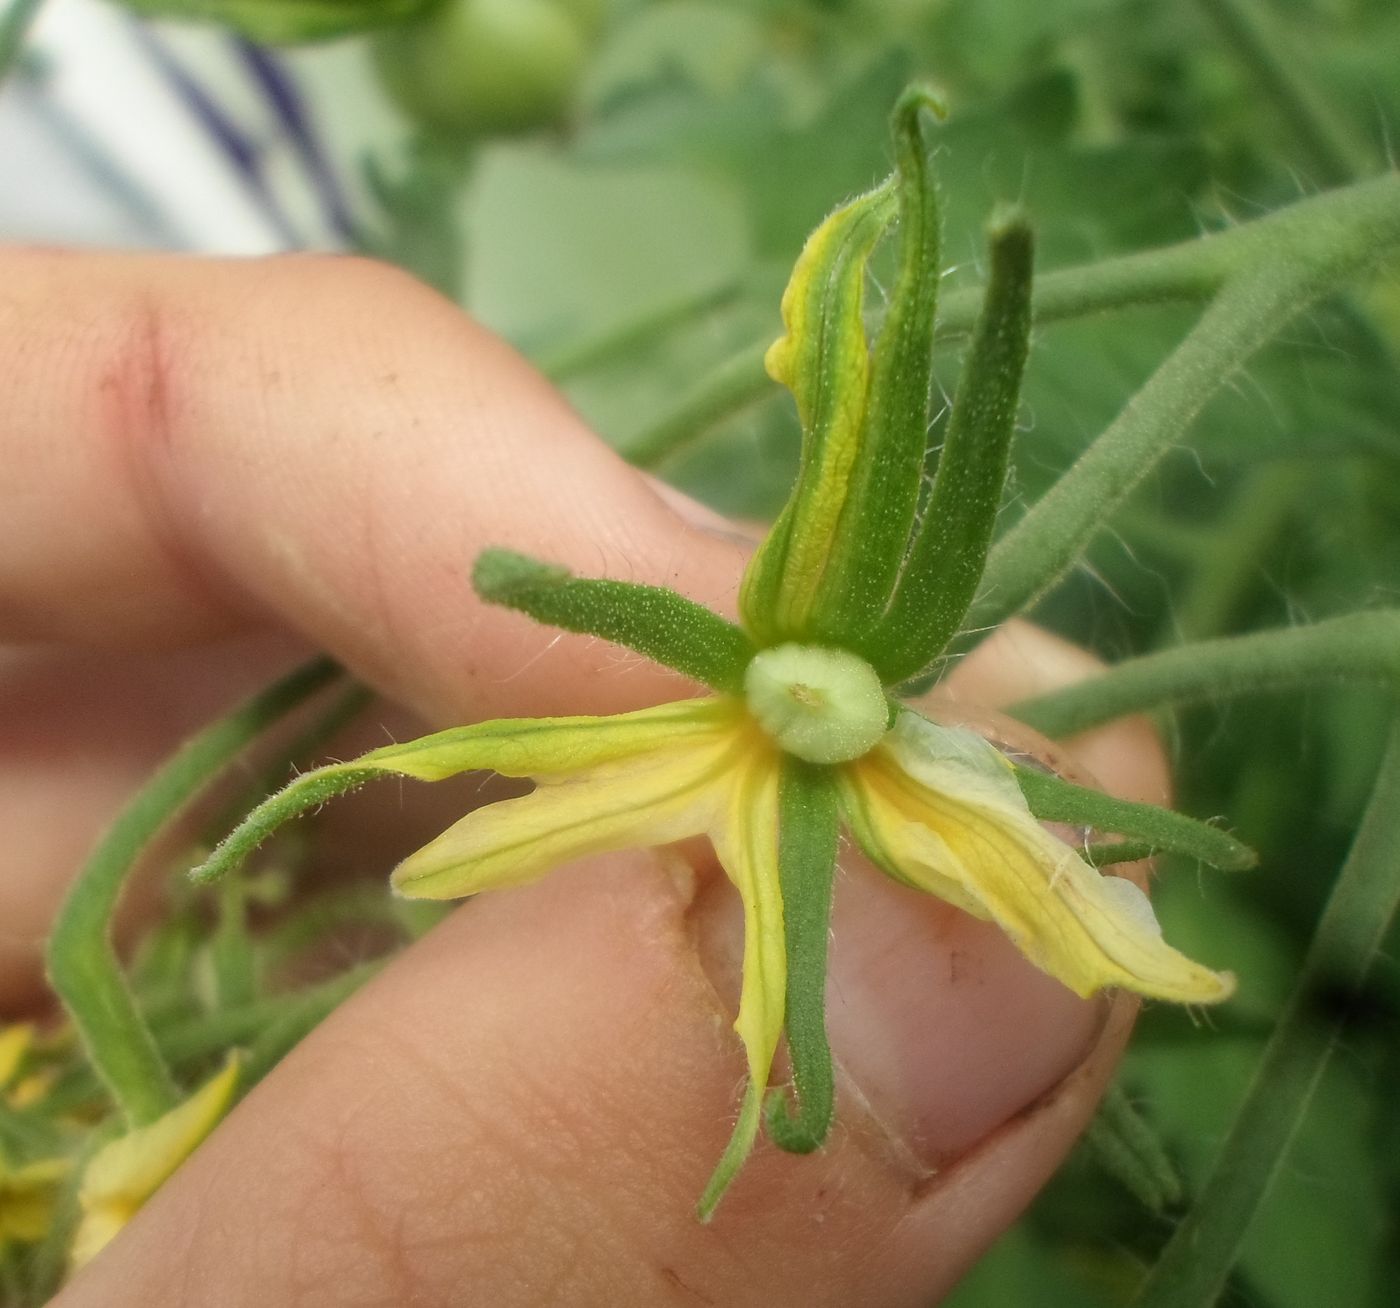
<point x="891" y="841"/>
<point x="746" y="843"/>
<point x="824" y="359"/>
<point x="122" y="1175"/>
<point x="14" y="1044"/>
<point x="650" y="798"/>
<point x="30" y="1090"/>
<point x="28" y="1198"/>
<point x="532" y="747"/>
<point x="942" y="807"/>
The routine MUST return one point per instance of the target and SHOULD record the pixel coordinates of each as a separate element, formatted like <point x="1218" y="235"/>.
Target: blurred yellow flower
<point x="15" y="1041"/>
<point x="28" y="1197"/>
<point x="122" y="1175"/>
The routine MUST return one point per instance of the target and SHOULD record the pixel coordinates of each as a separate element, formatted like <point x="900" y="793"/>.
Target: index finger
<point x="196" y="447"/>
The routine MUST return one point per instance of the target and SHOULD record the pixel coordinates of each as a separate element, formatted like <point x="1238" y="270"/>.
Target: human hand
<point x="211" y="467"/>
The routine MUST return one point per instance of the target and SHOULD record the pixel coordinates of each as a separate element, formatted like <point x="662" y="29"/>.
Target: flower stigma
<point x="821" y="705"/>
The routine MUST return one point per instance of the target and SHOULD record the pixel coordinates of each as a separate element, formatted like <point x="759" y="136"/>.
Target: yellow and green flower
<point x="857" y="590"/>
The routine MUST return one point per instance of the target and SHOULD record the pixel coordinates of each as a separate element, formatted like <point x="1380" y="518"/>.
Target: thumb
<point x="524" y="1107"/>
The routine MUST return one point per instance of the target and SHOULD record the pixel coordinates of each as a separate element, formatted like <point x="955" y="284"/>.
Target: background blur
<point x="637" y="236"/>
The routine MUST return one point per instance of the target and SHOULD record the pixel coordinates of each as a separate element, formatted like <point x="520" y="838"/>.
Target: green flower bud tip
<point x="822" y="705"/>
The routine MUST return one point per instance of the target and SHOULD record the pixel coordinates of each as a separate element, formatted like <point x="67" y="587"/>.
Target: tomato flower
<point x="858" y="588"/>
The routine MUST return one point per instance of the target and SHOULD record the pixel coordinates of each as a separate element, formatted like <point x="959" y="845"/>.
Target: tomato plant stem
<point x="82" y="958"/>
<point x="1356" y="647"/>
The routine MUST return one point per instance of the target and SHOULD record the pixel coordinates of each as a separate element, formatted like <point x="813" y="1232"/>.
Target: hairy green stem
<point x="1356" y="647"/>
<point x="1128" y="1148"/>
<point x="1052" y="799"/>
<point x="1106" y="853"/>
<point x="298" y="753"/>
<point x="1197" y="1260"/>
<point x="82" y="959"/>
<point x="946" y="557"/>
<point x="641" y="332"/>
<point x="1330" y="145"/>
<point x="1279" y="266"/>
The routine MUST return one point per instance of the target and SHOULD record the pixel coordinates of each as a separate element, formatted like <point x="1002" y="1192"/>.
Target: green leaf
<point x="1052" y="799"/>
<point x="948" y="555"/>
<point x="652" y="620"/>
<point x="808" y="831"/>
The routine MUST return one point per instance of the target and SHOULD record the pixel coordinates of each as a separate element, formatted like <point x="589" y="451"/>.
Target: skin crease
<point x="245" y="460"/>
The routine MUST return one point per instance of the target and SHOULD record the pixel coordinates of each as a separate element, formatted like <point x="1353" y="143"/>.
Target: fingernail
<point x="941" y="1030"/>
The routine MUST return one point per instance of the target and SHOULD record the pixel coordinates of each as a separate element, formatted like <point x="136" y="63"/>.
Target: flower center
<point x="823" y="705"/>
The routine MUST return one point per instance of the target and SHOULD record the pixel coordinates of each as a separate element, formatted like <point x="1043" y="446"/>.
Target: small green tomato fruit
<point x="823" y="705"/>
<point x="484" y="67"/>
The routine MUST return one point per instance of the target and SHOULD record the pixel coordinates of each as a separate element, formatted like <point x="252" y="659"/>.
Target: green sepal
<point x="1106" y="853"/>
<point x="284" y="22"/>
<point x="308" y="791"/>
<point x="736" y="1152"/>
<point x="949" y="553"/>
<point x="808" y="831"/>
<point x="1052" y="799"/>
<point x="882" y="497"/>
<point x="823" y="359"/>
<point x="651" y="620"/>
